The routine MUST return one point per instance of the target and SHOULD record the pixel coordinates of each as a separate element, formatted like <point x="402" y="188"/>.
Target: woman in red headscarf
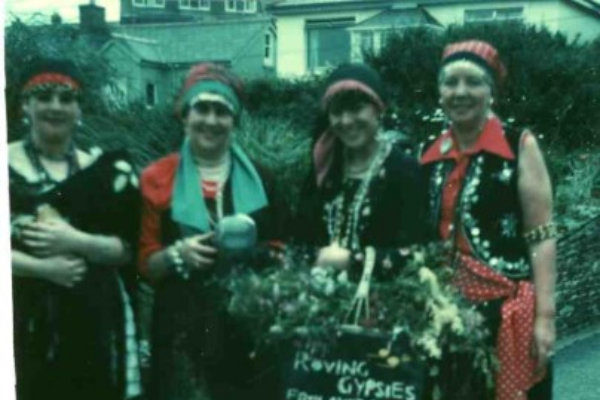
<point x="198" y="351"/>
<point x="490" y="194"/>
<point x="73" y="226"/>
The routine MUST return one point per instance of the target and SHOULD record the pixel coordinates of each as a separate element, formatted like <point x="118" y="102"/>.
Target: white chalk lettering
<point x="304" y="362"/>
<point x="295" y="394"/>
<point x="291" y="394"/>
<point x="410" y="393"/>
<point x="344" y="385"/>
<point x="301" y="361"/>
<point x="374" y="389"/>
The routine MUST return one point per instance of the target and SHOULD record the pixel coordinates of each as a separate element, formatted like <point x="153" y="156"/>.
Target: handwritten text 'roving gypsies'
<point x="353" y="381"/>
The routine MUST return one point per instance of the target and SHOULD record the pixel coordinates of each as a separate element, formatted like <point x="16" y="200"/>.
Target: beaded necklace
<point x="213" y="181"/>
<point x="339" y="216"/>
<point x="33" y="154"/>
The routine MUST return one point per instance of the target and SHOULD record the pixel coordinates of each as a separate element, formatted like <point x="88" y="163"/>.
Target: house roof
<point x="184" y="43"/>
<point x="298" y="6"/>
<point x="397" y="17"/>
<point x="589" y="6"/>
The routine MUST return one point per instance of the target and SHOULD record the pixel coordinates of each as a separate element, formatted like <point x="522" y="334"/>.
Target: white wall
<point x="574" y="21"/>
<point x="291" y="39"/>
<point x="553" y="14"/>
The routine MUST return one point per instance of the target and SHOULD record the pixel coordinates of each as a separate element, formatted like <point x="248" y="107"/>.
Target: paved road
<point x="577" y="370"/>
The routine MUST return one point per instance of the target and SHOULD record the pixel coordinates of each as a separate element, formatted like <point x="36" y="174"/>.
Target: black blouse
<point x="69" y="342"/>
<point x="391" y="217"/>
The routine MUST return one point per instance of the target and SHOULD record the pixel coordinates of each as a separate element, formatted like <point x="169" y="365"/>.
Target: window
<point x="115" y="92"/>
<point x="194" y="4"/>
<point x="494" y="14"/>
<point x="366" y="42"/>
<point x="247" y="6"/>
<point x="269" y="59"/>
<point x="363" y="42"/>
<point x="149" y="3"/>
<point x="151" y="96"/>
<point x="328" y="42"/>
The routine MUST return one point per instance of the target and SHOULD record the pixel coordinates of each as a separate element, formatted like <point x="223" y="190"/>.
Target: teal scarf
<point x="187" y="205"/>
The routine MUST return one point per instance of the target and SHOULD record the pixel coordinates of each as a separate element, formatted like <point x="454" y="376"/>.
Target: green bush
<point x="553" y="86"/>
<point x="295" y="101"/>
<point x="542" y="90"/>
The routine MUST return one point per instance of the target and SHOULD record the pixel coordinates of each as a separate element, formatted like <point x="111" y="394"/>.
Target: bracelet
<point x="541" y="233"/>
<point x="176" y="260"/>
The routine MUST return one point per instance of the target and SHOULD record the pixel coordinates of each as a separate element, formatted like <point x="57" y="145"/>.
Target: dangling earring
<point x="79" y="123"/>
<point x="25" y="121"/>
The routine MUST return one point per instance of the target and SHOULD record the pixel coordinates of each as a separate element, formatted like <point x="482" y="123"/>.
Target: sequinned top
<point x="474" y="199"/>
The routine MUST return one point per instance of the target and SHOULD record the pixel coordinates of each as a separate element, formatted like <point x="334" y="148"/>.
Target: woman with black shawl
<point x="73" y="220"/>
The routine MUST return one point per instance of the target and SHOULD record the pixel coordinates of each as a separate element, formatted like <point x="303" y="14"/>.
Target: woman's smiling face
<point x="465" y="92"/>
<point x="53" y="112"/>
<point x="354" y="119"/>
<point x="209" y="125"/>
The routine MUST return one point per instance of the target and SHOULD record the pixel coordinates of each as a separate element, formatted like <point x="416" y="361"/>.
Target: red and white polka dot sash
<point x="517" y="372"/>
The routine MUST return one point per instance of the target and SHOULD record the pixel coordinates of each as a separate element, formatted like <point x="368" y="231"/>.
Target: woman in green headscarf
<point x="198" y="352"/>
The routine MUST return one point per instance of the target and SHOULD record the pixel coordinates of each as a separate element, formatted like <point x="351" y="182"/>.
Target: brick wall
<point x="578" y="283"/>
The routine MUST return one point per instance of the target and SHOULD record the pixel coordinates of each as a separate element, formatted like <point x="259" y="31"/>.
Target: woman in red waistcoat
<point x="490" y="194"/>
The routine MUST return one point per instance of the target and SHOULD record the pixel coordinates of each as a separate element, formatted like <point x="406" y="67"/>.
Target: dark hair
<point x="41" y="65"/>
<point x="348" y="100"/>
<point x="361" y="73"/>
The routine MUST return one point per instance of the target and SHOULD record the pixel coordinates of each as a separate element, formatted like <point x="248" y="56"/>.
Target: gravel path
<point x="577" y="370"/>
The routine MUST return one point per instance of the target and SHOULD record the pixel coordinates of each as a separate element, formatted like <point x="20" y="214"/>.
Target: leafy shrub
<point x="578" y="194"/>
<point x="296" y="101"/>
<point x="542" y="90"/>
<point x="553" y="87"/>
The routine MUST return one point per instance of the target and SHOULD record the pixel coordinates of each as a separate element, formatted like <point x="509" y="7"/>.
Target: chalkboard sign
<point x="360" y="366"/>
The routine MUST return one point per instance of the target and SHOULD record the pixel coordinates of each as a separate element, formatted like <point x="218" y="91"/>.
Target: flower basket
<point x="345" y="340"/>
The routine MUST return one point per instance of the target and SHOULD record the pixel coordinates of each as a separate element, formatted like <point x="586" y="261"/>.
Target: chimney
<point x="91" y="17"/>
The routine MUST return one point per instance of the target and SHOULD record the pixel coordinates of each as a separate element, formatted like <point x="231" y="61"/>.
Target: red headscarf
<point x="480" y="52"/>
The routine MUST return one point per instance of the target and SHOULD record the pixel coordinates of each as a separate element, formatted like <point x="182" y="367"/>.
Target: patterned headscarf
<point x="357" y="77"/>
<point x="479" y="52"/>
<point x="211" y="82"/>
<point x="347" y="77"/>
<point x="44" y="73"/>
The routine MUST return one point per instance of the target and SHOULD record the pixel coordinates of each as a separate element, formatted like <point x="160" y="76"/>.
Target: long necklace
<point x="339" y="218"/>
<point x="34" y="154"/>
<point x="215" y="175"/>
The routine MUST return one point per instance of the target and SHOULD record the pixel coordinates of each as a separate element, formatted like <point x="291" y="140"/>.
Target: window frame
<point x="270" y="48"/>
<point x="249" y="6"/>
<point x="496" y="14"/>
<point x="154" y="88"/>
<point x="148" y="3"/>
<point x="321" y="24"/>
<point x="200" y="7"/>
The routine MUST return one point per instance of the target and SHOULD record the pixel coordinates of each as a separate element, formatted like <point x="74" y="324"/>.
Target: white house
<point x="571" y="17"/>
<point x="315" y="34"/>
